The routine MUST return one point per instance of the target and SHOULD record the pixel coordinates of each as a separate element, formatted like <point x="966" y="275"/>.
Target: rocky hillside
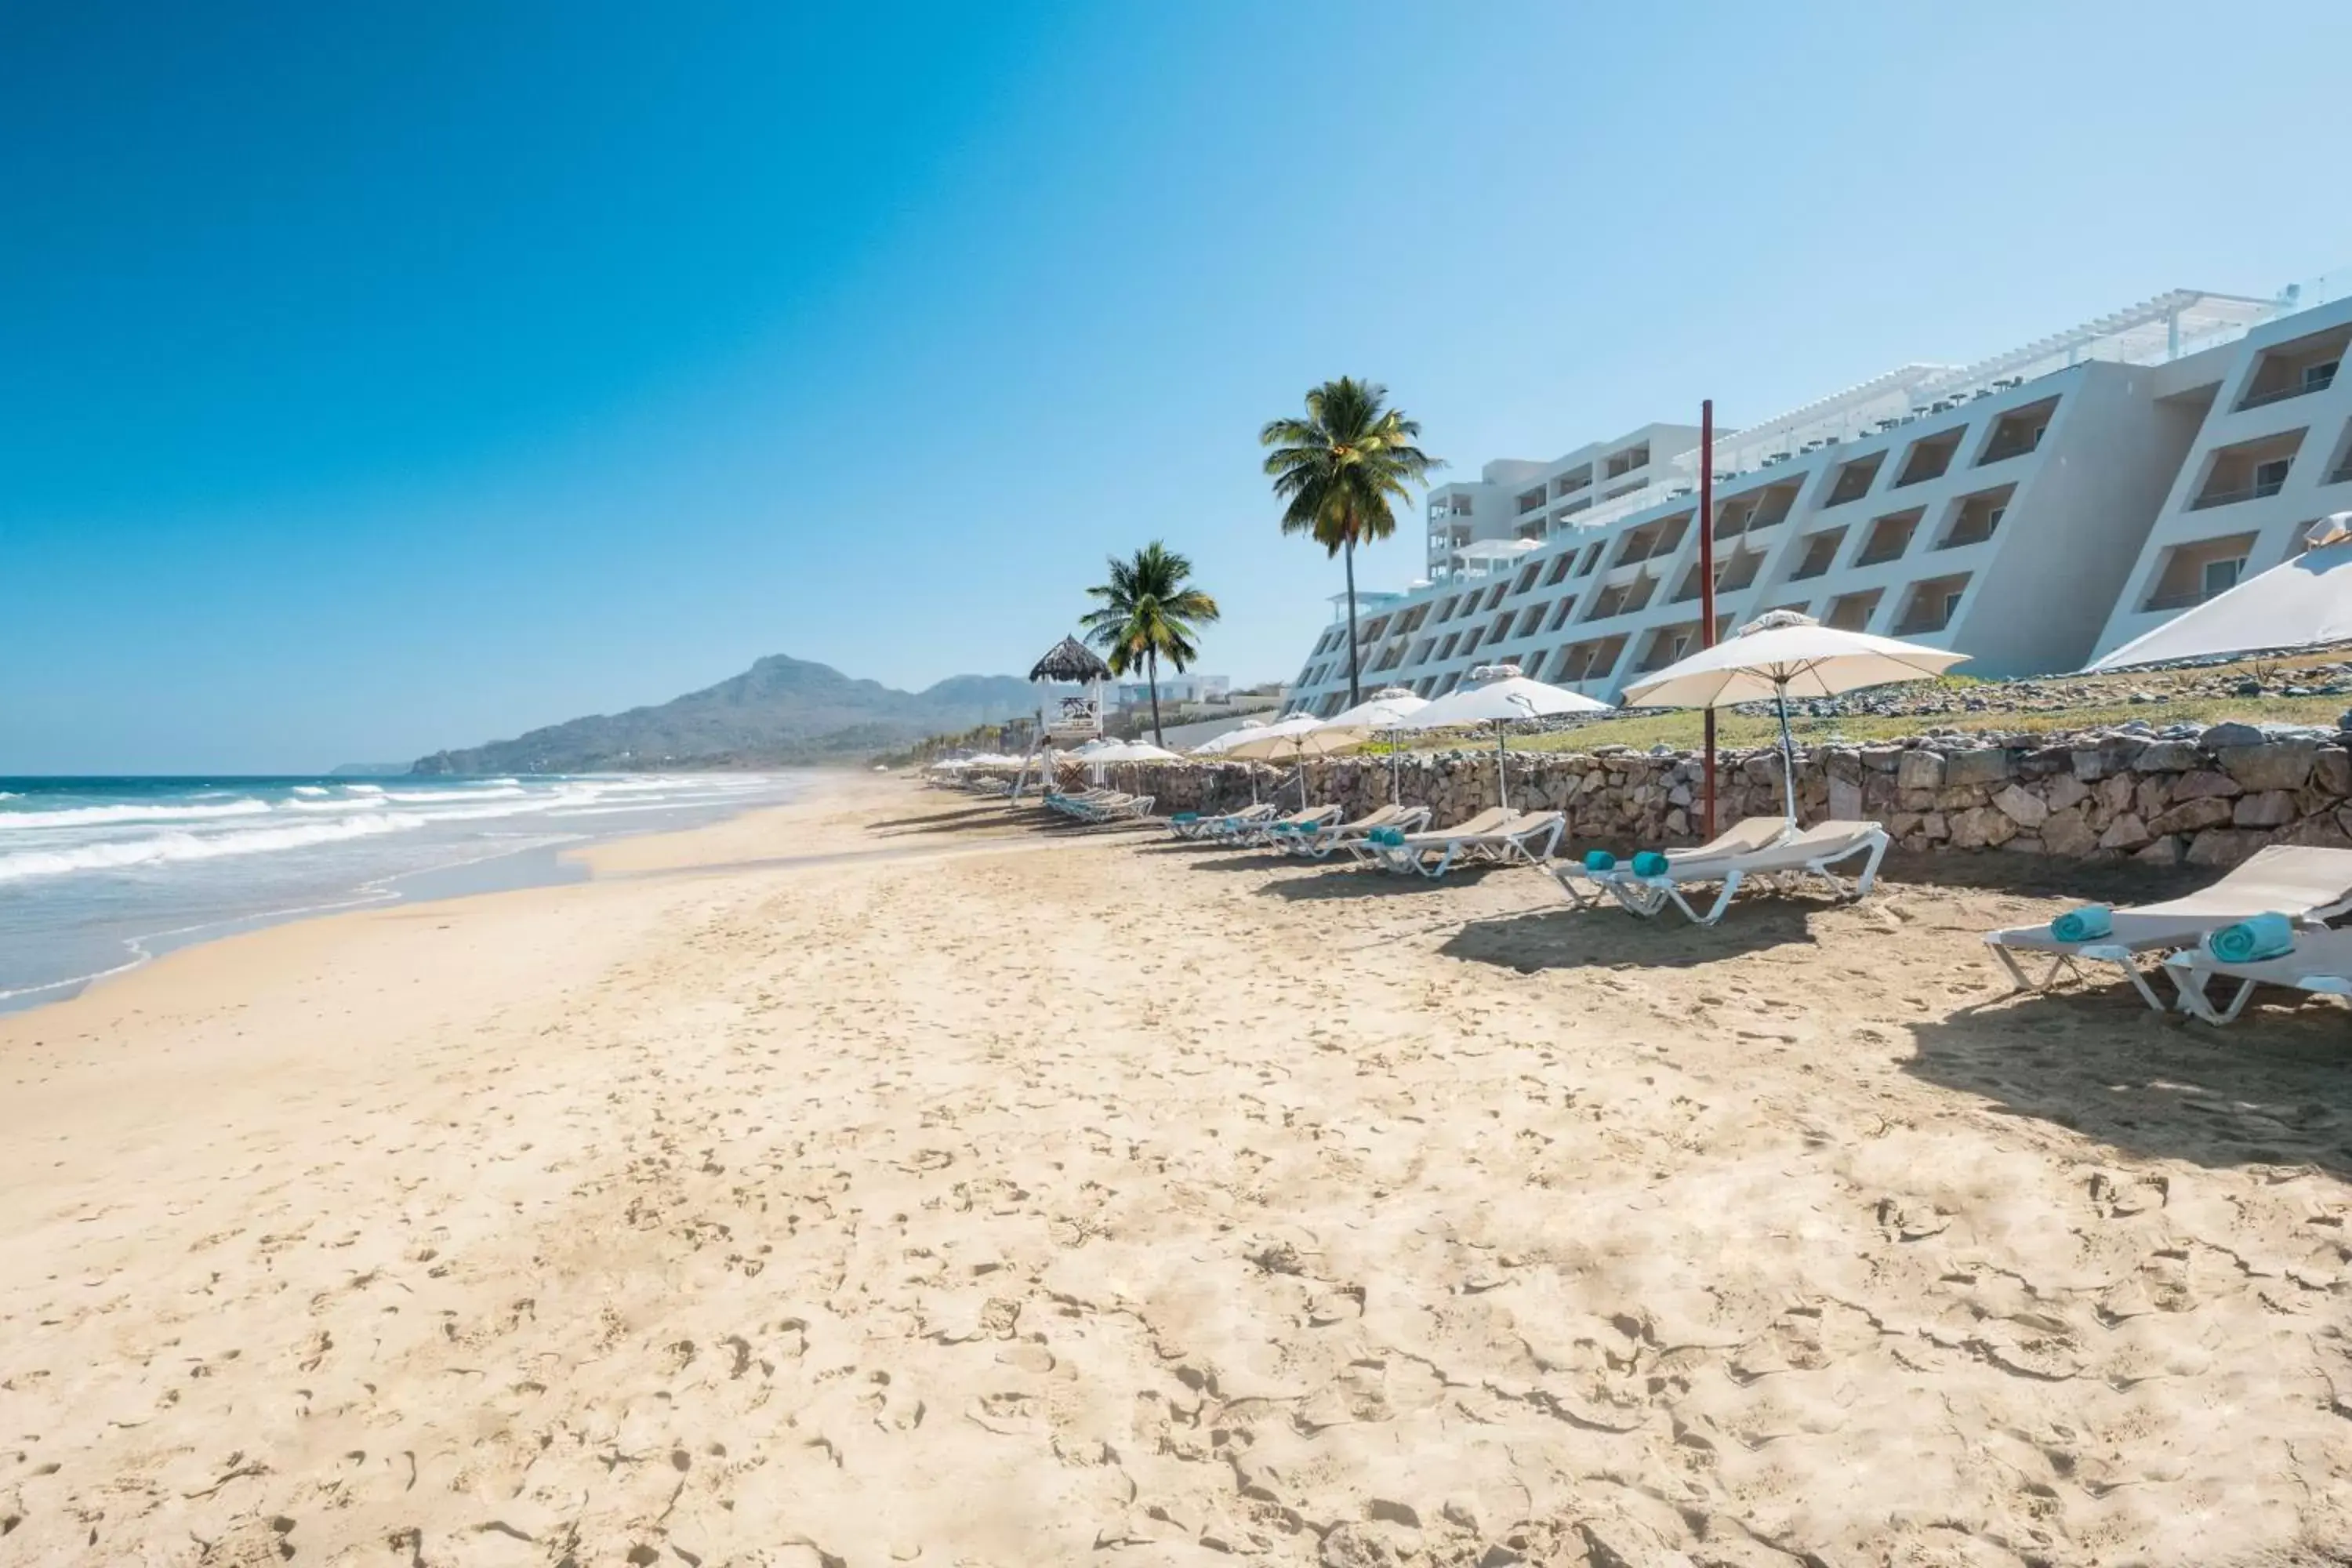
<point x="779" y="711"/>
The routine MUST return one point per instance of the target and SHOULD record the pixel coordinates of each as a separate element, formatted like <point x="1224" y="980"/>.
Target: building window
<point x="1852" y="612"/>
<point x="1928" y="459"/>
<point x="2018" y="432"/>
<point x="1888" y="538"/>
<point x="2248" y="470"/>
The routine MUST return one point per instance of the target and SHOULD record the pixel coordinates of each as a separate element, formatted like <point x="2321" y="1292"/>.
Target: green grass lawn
<point x="1682" y="730"/>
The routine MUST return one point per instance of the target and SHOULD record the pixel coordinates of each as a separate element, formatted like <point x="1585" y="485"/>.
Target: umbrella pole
<point x="1502" y="778"/>
<point x="1788" y="749"/>
<point x="1396" y="773"/>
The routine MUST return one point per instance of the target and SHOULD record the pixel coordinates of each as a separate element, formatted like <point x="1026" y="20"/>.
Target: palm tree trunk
<point x="1355" y="693"/>
<point x="1152" y="678"/>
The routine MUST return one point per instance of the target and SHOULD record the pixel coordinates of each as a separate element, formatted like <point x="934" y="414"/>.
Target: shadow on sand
<point x="1611" y="938"/>
<point x="2270" y="1090"/>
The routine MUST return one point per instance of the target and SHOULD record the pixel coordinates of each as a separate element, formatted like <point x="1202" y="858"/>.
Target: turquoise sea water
<point x="99" y="875"/>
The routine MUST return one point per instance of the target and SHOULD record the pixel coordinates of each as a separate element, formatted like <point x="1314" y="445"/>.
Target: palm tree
<point x="1340" y="468"/>
<point x="1147" y="613"/>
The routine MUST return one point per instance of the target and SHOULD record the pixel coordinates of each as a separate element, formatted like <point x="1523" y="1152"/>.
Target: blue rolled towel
<point x="1649" y="863"/>
<point x="1186" y="817"/>
<point x="1388" y="835"/>
<point x="2252" y="939"/>
<point x="1600" y="860"/>
<point x="2088" y="924"/>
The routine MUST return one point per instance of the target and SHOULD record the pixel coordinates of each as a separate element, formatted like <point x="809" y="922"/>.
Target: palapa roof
<point x="1070" y="660"/>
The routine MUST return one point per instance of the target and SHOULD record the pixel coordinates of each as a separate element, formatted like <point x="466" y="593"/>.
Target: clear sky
<point x="375" y="378"/>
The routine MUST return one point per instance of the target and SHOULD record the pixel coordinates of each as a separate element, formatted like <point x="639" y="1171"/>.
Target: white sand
<point x="1018" y="1198"/>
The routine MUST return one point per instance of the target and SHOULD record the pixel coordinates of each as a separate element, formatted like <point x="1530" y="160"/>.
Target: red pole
<point x="1706" y="575"/>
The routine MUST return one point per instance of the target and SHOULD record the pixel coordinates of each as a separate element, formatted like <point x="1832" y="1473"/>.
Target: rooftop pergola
<point x="1070" y="662"/>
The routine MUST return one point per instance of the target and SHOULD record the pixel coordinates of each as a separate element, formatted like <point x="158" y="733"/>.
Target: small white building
<point x="2033" y="508"/>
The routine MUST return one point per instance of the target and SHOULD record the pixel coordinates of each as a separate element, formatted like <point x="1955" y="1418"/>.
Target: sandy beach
<point x="876" y="1181"/>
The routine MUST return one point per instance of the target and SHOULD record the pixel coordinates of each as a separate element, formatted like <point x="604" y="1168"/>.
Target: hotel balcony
<point x="1929" y="459"/>
<point x="1889" y="537"/>
<point x="1976" y="518"/>
<point x="2296" y="369"/>
<point x="1854" y="480"/>
<point x="1931" y="605"/>
<point x="1852" y="612"/>
<point x="2193" y="573"/>
<point x="2018" y="432"/>
<point x="2248" y="471"/>
<point x="1821" y="553"/>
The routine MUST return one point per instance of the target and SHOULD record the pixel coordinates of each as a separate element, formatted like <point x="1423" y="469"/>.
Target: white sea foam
<point x="161" y="848"/>
<point x="309" y="789"/>
<point x="437" y="797"/>
<point x="363" y="789"/>
<point x="161" y="811"/>
<point x="363" y="803"/>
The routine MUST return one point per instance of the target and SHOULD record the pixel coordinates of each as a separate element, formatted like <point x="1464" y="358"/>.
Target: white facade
<point x="2031" y="509"/>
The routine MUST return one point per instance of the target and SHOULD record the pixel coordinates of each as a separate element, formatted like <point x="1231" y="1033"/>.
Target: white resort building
<point x="2035" y="510"/>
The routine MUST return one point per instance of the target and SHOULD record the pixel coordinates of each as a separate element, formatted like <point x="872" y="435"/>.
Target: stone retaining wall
<point x="2211" y="800"/>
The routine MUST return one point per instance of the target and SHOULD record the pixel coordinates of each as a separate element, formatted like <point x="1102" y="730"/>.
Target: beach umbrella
<point x="1501" y="696"/>
<point x="1218" y="745"/>
<point x="1296" y="739"/>
<point x="2303" y="602"/>
<point x="1383" y="714"/>
<point x="1784" y="655"/>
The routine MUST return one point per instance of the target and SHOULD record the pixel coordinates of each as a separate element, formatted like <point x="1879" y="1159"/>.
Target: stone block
<point x="2270" y="808"/>
<point x="2280" y="765"/>
<point x="1981" y="827"/>
<point x="2331" y="771"/>
<point x="2225" y="846"/>
<point x="2168" y="757"/>
<point x="1883" y="759"/>
<point x="2021" y="806"/>
<point x="2204" y="782"/>
<point x="1960" y="798"/>
<point x="2192" y="815"/>
<point x="2115" y="792"/>
<point x="2126" y="832"/>
<point x="2163" y="852"/>
<point x="1903" y="824"/>
<point x="1919" y="770"/>
<point x="1935" y="826"/>
<point x="2068" y="833"/>
<point x="2045" y="762"/>
<point x="2064" y="792"/>
<point x="2229" y="733"/>
<point x="2322" y="831"/>
<point x="1987" y="766"/>
<point x="2151" y="798"/>
<point x="1845" y="800"/>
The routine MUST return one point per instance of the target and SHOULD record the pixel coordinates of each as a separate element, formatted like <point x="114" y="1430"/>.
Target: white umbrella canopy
<point x="1294" y="739"/>
<point x="1500" y="696"/>
<point x="2303" y="602"/>
<point x="1783" y="654"/>
<point x="1382" y="713"/>
<point x="1132" y="751"/>
<point x="1217" y="745"/>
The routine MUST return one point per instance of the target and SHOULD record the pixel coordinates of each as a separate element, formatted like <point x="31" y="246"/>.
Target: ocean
<point x="98" y="876"/>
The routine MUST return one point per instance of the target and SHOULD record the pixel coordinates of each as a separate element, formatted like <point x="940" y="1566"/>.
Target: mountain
<point x="782" y="710"/>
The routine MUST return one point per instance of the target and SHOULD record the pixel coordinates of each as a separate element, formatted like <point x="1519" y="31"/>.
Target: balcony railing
<point x="2320" y="383"/>
<point x="2254" y="491"/>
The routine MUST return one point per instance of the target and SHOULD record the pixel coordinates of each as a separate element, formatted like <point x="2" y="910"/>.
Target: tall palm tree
<point x="1338" y="468"/>
<point x="1147" y="613"/>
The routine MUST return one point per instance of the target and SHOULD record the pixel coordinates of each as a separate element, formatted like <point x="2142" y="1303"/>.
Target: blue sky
<point x="379" y="378"/>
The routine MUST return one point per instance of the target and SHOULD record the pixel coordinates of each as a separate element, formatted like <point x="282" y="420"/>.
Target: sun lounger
<point x="1279" y="829"/>
<point x="1493" y="837"/>
<point x="1809" y="853"/>
<point x="1744" y="836"/>
<point x="2321" y="963"/>
<point x="1185" y="824"/>
<point x="2306" y="884"/>
<point x="1319" y="844"/>
<point x="1101" y="805"/>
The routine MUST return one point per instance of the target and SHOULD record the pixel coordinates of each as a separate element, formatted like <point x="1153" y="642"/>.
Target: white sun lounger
<point x="1319" y="844"/>
<point x="1494" y="836"/>
<point x="1279" y="830"/>
<point x="1218" y="825"/>
<point x="2306" y="884"/>
<point x="1810" y="852"/>
<point x="2321" y="963"/>
<point x="1747" y="834"/>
